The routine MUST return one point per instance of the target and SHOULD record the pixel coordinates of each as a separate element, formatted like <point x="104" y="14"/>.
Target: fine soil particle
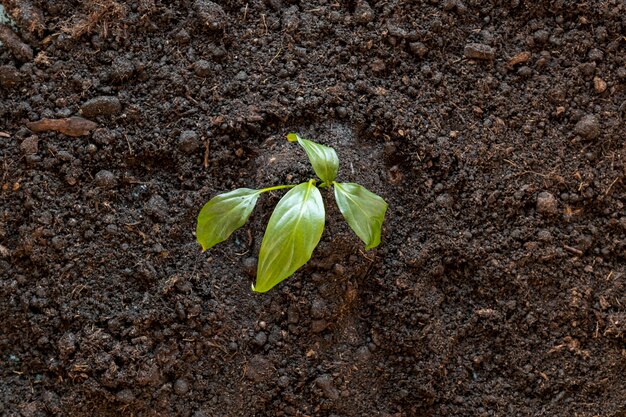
<point x="494" y="130"/>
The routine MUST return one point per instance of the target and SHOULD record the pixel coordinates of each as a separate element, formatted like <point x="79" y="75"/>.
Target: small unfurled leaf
<point x="294" y="230"/>
<point x="323" y="158"/>
<point x="224" y="214"/>
<point x="363" y="210"/>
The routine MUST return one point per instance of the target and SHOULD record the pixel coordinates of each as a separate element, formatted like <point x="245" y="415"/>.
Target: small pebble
<point x="546" y="204"/>
<point x="105" y="179"/>
<point x="318" y="326"/>
<point x="249" y="266"/>
<point x="181" y="387"/>
<point x="588" y="127"/>
<point x="419" y="49"/>
<point x="202" y="68"/>
<point x="599" y="85"/>
<point x="101" y="106"/>
<point x="188" y="142"/>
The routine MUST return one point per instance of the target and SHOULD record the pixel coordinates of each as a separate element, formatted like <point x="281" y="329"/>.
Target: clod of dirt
<point x="125" y="396"/>
<point x="122" y="69"/>
<point x="156" y="207"/>
<point x="363" y="12"/>
<point x="9" y="77"/>
<point x="546" y="204"/>
<point x="188" y="141"/>
<point x="211" y="14"/>
<point x="260" y="339"/>
<point x="30" y="145"/>
<point x="419" y="49"/>
<point x="588" y="127"/>
<point x="13" y="43"/>
<point x="258" y="369"/>
<point x="325" y="383"/>
<point x="599" y="85"/>
<point x="181" y="387"/>
<point x="105" y="179"/>
<point x="479" y="51"/>
<point x="71" y="126"/>
<point x="101" y="106"/>
<point x="202" y="68"/>
<point x="67" y="345"/>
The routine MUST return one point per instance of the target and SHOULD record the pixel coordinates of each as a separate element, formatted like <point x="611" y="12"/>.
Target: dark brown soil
<point x="495" y="131"/>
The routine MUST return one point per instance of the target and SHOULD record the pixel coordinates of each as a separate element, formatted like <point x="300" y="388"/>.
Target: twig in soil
<point x="610" y="186"/>
<point x="70" y="126"/>
<point x="275" y="56"/>
<point x="573" y="250"/>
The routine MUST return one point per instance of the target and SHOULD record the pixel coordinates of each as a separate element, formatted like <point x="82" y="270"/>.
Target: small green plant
<point x="296" y="225"/>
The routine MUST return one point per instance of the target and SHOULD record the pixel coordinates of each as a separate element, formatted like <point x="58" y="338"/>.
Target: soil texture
<point x="495" y="130"/>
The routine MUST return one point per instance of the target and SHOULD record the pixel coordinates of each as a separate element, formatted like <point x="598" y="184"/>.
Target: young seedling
<point x="296" y="225"/>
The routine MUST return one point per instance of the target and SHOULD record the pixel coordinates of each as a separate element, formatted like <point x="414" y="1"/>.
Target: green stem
<point x="276" y="187"/>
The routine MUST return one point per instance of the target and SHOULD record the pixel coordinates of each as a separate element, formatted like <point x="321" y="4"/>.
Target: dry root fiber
<point x="101" y="15"/>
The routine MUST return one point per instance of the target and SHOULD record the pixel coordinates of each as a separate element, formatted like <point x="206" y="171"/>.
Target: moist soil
<point x="494" y="130"/>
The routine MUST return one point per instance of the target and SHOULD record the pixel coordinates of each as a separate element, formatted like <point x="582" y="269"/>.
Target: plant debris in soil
<point x="494" y="130"/>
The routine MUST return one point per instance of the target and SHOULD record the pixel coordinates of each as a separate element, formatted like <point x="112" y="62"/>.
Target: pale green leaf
<point x="323" y="158"/>
<point x="294" y="230"/>
<point x="224" y="214"/>
<point x="363" y="210"/>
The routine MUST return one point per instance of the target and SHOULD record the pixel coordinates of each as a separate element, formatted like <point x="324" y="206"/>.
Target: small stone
<point x="202" y="68"/>
<point x="241" y="76"/>
<point x="546" y="204"/>
<point x="9" y="77"/>
<point x="599" y="85"/>
<point x="181" y="387"/>
<point x="101" y="106"/>
<point x="419" y="49"/>
<point x="105" y="179"/>
<point x="363" y="12"/>
<point x="249" y="266"/>
<point x="325" y="383"/>
<point x="479" y="51"/>
<point x="260" y="339"/>
<point x="188" y="141"/>
<point x="588" y="127"/>
<point x="30" y="145"/>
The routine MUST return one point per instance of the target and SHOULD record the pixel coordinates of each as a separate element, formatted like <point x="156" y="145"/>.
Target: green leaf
<point x="224" y="214"/>
<point x="294" y="230"/>
<point x="323" y="158"/>
<point x="363" y="210"/>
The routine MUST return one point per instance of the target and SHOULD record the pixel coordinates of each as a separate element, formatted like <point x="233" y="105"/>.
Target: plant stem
<point x="276" y="187"/>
